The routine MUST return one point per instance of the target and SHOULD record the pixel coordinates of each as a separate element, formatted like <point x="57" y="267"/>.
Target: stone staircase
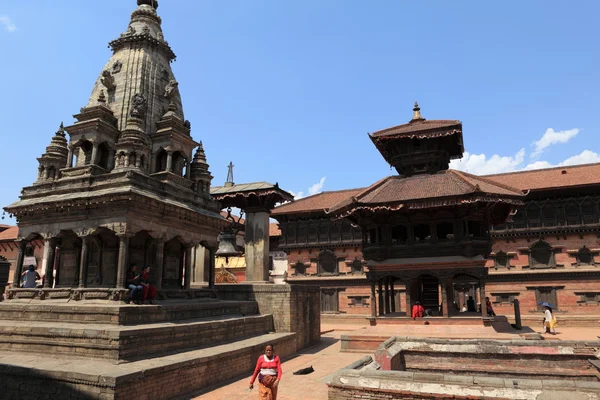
<point x="109" y="351"/>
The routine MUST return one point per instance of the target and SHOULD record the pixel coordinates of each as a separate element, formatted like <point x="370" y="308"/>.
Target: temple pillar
<point x="187" y="169"/>
<point x="380" y="297"/>
<point x="22" y="245"/>
<point x="169" y="160"/>
<point x="373" y="301"/>
<point x="94" y="153"/>
<point x="70" y="157"/>
<point x="387" y="295"/>
<point x="83" y="262"/>
<point x="160" y="254"/>
<point x="257" y="246"/>
<point x="211" y="267"/>
<point x="445" y="300"/>
<point x="392" y="296"/>
<point x="408" y="285"/>
<point x="482" y="297"/>
<point x="48" y="263"/>
<point x="123" y="259"/>
<point x="187" y="279"/>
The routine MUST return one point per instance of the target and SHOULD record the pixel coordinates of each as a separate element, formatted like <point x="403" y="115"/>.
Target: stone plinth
<point x="295" y="308"/>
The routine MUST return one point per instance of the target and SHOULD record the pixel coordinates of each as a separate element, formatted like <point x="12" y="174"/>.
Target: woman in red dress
<point x="148" y="291"/>
<point x="268" y="370"/>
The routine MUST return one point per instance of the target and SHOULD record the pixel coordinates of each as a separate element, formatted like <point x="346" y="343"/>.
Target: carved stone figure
<point x="170" y="88"/>
<point x="187" y="124"/>
<point x="146" y="30"/>
<point x="138" y="105"/>
<point x="108" y="80"/>
<point x="116" y="67"/>
<point x="130" y="30"/>
<point x="160" y="36"/>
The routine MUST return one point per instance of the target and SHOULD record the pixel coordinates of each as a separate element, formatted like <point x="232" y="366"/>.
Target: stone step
<point x="126" y="343"/>
<point x="125" y="314"/>
<point x="159" y="378"/>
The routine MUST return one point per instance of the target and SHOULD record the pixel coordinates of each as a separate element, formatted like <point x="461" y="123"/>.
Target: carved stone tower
<point x="123" y="189"/>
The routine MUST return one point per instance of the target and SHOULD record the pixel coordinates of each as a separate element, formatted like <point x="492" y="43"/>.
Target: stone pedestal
<point x="257" y="246"/>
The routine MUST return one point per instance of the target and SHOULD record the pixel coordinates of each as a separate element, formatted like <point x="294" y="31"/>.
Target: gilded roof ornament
<point x="417" y="113"/>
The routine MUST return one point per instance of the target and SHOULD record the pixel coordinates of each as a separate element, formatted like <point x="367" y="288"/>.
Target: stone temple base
<point x="86" y="350"/>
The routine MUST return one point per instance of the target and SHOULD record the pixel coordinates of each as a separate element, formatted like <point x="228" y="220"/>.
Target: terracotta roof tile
<point x="417" y="127"/>
<point x="9" y="234"/>
<point x="274" y="230"/>
<point x="444" y="184"/>
<point x="550" y="178"/>
<point x="317" y="202"/>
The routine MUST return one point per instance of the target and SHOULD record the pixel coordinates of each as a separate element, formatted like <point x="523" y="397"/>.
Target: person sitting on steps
<point x="133" y="284"/>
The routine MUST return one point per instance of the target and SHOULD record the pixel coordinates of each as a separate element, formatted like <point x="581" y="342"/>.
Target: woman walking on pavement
<point x="268" y="370"/>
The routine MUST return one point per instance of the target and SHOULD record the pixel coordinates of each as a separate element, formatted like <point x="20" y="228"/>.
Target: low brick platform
<point x="69" y="378"/>
<point x="368" y="339"/>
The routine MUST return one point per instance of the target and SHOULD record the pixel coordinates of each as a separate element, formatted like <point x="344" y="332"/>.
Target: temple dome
<point x="139" y="66"/>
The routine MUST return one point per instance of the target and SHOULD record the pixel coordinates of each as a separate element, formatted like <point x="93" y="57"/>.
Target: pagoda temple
<point x="426" y="228"/>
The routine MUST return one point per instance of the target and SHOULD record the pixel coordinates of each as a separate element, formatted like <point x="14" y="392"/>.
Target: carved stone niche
<point x="541" y="255"/>
<point x="584" y="256"/>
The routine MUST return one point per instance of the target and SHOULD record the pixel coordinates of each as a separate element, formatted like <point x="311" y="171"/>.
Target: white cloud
<point x="480" y="164"/>
<point x="9" y="26"/>
<point x="313" y="189"/>
<point x="551" y="137"/>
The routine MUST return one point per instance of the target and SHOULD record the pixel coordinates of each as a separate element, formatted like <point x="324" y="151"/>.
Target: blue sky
<point x="288" y="90"/>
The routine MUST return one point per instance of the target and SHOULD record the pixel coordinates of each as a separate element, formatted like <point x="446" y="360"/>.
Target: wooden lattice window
<point x="290" y="234"/>
<point x="546" y="294"/>
<point x="572" y="213"/>
<point x="328" y="263"/>
<point x="541" y="255"/>
<point x="334" y="232"/>
<point x="324" y="232"/>
<point x="504" y="298"/>
<point x="588" y="212"/>
<point x="588" y="297"/>
<point x="346" y="231"/>
<point x="534" y="216"/>
<point x="302" y="233"/>
<point x="299" y="268"/>
<point x="501" y="260"/>
<point x="358" y="301"/>
<point x="356" y="266"/>
<point x="518" y="220"/>
<point x="313" y="231"/>
<point x="549" y="214"/>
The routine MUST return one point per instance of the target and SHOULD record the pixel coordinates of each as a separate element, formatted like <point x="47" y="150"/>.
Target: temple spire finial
<point x="417" y="112"/>
<point x="61" y="130"/>
<point x="229" y="181"/>
<point x="152" y="3"/>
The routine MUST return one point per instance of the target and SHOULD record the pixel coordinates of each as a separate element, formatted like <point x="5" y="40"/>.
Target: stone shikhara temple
<point x="127" y="184"/>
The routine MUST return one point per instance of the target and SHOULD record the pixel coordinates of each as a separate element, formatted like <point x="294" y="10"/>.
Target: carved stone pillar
<point x="123" y="259"/>
<point x="211" y="266"/>
<point x="160" y="254"/>
<point x="445" y="301"/>
<point x="257" y="246"/>
<point x="22" y="245"/>
<point x="169" y="161"/>
<point x="83" y="262"/>
<point x="94" y="153"/>
<point x="187" y="169"/>
<point x="49" y="256"/>
<point x="188" y="267"/>
<point x="70" y="157"/>
<point x="380" y="297"/>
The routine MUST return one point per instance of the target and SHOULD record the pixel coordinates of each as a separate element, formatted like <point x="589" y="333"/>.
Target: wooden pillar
<point x="392" y="295"/>
<point x="373" y="301"/>
<point x="22" y="245"/>
<point x="49" y="254"/>
<point x="123" y="259"/>
<point x="160" y="254"/>
<point x="380" y="297"/>
<point x="408" y="284"/>
<point x="83" y="262"/>
<point x="188" y="267"/>
<point x="482" y="296"/>
<point x="387" y="294"/>
<point x="445" y="300"/>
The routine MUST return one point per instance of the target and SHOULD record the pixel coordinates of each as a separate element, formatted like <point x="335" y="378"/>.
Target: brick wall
<point x="9" y="251"/>
<point x="295" y="308"/>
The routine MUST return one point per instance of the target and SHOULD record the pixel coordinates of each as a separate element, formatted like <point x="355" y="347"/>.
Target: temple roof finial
<point x="417" y="113"/>
<point x="61" y="130"/>
<point x="153" y="3"/>
<point x="229" y="181"/>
